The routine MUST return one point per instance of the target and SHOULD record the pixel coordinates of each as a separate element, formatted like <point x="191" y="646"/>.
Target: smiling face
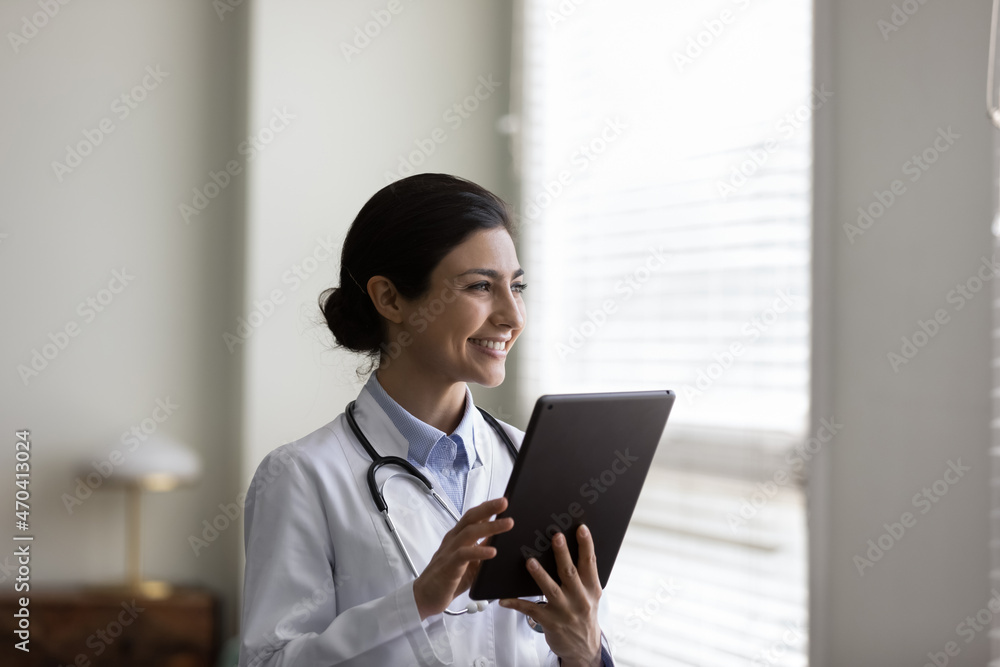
<point x="474" y="297"/>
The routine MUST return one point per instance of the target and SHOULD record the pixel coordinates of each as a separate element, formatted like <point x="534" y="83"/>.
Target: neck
<point x="432" y="399"/>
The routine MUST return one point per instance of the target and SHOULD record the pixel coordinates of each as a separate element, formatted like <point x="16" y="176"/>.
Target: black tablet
<point x="584" y="459"/>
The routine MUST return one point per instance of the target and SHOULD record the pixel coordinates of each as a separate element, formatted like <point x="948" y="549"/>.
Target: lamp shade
<point x="159" y="464"/>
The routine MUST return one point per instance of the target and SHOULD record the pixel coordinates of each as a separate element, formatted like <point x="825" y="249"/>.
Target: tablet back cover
<point x="584" y="459"/>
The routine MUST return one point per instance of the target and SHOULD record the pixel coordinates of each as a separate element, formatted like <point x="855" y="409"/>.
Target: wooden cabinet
<point x="84" y="628"/>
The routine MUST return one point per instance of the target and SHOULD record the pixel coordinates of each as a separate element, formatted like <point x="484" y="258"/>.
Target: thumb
<point x="524" y="606"/>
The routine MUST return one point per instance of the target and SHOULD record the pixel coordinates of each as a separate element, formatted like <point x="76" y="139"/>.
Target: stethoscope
<point x="379" y="461"/>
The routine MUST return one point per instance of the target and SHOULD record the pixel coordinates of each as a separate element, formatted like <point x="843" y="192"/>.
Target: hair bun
<point x="351" y="318"/>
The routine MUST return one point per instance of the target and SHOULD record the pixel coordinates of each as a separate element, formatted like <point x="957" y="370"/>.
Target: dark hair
<point x="402" y="233"/>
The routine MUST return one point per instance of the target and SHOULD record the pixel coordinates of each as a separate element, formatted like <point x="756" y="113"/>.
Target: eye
<point x="484" y="287"/>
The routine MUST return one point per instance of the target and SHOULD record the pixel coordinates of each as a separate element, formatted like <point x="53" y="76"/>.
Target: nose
<point x="506" y="309"/>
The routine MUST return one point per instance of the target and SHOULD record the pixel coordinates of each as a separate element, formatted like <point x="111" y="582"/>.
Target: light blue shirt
<point x="443" y="458"/>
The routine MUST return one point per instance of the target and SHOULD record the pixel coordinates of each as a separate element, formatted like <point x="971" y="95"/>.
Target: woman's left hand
<point x="570" y="616"/>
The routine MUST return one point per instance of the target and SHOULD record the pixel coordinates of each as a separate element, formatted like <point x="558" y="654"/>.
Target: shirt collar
<point x="422" y="436"/>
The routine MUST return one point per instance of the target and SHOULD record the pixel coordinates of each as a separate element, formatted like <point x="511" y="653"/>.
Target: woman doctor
<point x="430" y="287"/>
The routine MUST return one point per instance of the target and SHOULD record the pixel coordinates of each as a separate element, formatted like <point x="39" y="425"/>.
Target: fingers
<point x="484" y="510"/>
<point x="475" y="552"/>
<point x="570" y="618"/>
<point x="480" y="513"/>
<point x="578" y="582"/>
<point x="478" y="531"/>
<point x="465" y="546"/>
<point x="587" y="560"/>
<point x="550" y="588"/>
<point x="474" y="524"/>
<point x="454" y="564"/>
<point x="566" y="570"/>
<point x="533" y="609"/>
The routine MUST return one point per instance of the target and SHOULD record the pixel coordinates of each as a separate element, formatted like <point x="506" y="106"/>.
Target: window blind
<point x="664" y="154"/>
<point x="664" y="157"/>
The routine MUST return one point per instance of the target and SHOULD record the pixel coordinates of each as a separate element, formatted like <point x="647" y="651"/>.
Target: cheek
<point x="466" y="316"/>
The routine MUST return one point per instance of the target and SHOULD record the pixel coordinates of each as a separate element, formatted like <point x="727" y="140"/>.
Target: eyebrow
<point x="490" y="273"/>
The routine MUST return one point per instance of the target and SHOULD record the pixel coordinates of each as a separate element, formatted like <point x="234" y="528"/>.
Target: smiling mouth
<point x="490" y="345"/>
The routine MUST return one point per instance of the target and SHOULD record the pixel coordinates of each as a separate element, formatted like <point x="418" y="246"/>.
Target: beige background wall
<point x="160" y="336"/>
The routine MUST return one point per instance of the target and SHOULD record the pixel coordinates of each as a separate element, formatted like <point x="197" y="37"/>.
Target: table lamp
<point x="159" y="464"/>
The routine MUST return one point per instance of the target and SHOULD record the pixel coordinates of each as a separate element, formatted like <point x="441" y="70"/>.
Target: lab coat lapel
<point x="378" y="428"/>
<point x="421" y="523"/>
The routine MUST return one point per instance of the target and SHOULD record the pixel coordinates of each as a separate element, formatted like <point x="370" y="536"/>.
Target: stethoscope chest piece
<point x="533" y="624"/>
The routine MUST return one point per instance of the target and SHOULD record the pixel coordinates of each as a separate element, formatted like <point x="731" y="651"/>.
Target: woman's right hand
<point x="454" y="565"/>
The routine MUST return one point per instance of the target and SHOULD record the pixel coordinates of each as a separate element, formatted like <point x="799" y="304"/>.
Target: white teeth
<point x="490" y="344"/>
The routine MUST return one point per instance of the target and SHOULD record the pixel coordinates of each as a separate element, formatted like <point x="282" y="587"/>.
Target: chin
<point x="494" y="379"/>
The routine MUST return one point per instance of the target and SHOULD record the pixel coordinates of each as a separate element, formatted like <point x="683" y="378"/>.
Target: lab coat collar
<point x="423" y="437"/>
<point x="484" y="481"/>
<point x="407" y="436"/>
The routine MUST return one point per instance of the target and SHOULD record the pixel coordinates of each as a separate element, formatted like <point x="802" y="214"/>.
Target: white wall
<point x="160" y="337"/>
<point x="901" y="428"/>
<point x="354" y="119"/>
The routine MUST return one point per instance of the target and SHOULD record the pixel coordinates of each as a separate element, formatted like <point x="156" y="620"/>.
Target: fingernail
<point x="532" y="564"/>
<point x="584" y="531"/>
<point x="559" y="539"/>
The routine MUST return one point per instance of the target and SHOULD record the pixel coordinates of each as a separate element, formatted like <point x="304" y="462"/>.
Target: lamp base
<point x="150" y="590"/>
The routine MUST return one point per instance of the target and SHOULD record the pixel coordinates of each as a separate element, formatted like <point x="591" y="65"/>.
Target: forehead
<point x="486" y="248"/>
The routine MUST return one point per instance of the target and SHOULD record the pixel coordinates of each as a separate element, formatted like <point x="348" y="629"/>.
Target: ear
<point x="386" y="298"/>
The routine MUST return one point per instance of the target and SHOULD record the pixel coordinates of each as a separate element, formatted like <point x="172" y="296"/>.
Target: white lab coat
<point x="326" y="585"/>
